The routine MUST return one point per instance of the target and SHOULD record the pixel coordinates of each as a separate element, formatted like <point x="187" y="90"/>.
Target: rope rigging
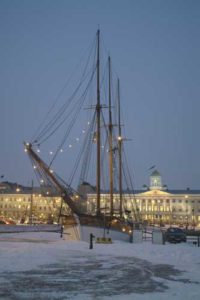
<point x="66" y="117"/>
<point x="79" y="105"/>
<point x="59" y="114"/>
<point x="88" y="50"/>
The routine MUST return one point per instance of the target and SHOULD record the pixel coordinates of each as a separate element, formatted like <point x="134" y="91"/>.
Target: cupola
<point x="155" y="181"/>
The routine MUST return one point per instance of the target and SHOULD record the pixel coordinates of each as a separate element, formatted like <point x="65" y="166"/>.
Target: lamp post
<point x="104" y="221"/>
<point x="31" y="205"/>
<point x="172" y="216"/>
<point x="193" y="220"/>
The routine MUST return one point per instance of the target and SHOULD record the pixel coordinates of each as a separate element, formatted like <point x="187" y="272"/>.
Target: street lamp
<point x="193" y="221"/>
<point x="104" y="220"/>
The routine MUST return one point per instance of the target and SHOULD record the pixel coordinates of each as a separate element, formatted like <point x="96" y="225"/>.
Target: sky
<point x="155" y="48"/>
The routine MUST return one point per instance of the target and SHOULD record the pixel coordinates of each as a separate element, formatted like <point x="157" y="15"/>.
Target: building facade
<point x="156" y="204"/>
<point x="20" y="204"/>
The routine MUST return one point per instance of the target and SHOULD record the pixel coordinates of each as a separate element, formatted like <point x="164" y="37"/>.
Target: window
<point x="167" y="208"/>
<point x="173" y="200"/>
<point x="180" y="201"/>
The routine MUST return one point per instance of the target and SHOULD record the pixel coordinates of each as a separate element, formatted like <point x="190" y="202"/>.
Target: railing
<point x="146" y="235"/>
<point x="195" y="240"/>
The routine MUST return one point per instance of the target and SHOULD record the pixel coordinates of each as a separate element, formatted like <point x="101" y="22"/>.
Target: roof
<point x="173" y="192"/>
<point x="186" y="191"/>
<point x="155" y="173"/>
<point x="170" y="192"/>
<point x="15" y="188"/>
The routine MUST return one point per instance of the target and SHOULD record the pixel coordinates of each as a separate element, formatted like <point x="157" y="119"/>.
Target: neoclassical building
<point x="155" y="204"/>
<point x="24" y="205"/>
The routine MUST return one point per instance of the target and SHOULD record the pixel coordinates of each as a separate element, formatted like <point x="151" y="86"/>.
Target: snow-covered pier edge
<point x="30" y="228"/>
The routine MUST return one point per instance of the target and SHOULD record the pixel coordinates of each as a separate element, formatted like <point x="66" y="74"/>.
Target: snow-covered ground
<point x="44" y="266"/>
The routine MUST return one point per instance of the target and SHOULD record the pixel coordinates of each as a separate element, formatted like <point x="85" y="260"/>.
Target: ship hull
<point x="81" y="228"/>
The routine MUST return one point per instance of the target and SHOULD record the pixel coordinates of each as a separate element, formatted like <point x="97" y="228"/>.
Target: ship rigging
<point x="105" y="138"/>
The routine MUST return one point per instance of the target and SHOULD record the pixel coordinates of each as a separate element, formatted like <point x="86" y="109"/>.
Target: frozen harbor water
<point x="43" y="266"/>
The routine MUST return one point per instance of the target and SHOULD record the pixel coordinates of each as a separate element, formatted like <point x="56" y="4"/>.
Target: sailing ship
<point x="118" y="224"/>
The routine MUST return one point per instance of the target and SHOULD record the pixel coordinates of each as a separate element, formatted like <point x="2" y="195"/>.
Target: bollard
<point x="91" y="241"/>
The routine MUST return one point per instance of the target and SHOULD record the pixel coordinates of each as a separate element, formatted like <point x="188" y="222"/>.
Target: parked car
<point x="175" y="235"/>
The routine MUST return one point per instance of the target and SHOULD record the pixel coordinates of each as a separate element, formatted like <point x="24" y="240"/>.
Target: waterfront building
<point x="21" y="204"/>
<point x="155" y="203"/>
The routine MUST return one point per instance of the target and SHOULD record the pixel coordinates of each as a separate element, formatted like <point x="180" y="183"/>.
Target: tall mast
<point x="110" y="127"/>
<point x="98" y="112"/>
<point x="119" y="149"/>
<point x="31" y="205"/>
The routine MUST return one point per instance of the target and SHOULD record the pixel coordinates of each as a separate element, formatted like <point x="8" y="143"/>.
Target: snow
<point x="41" y="265"/>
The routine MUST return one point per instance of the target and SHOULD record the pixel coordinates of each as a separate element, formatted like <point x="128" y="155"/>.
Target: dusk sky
<point x="155" y="48"/>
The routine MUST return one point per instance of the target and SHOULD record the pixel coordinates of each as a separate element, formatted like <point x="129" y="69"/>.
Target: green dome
<point x="155" y="173"/>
